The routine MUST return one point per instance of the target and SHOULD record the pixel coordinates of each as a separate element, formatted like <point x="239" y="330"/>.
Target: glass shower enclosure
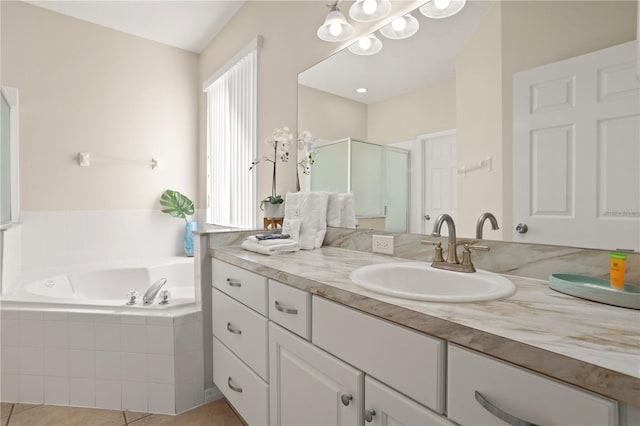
<point x="377" y="175"/>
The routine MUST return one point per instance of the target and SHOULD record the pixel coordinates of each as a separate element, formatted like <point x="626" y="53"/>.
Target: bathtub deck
<point x="214" y="413"/>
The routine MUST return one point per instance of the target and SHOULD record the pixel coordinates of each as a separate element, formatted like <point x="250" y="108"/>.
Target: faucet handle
<point x="438" y="255"/>
<point x="466" y="243"/>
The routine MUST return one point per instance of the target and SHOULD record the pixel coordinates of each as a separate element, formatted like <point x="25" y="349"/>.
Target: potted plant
<point x="280" y="141"/>
<point x="179" y="205"/>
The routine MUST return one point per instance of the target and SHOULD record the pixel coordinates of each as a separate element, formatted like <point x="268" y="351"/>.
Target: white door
<point x="386" y="407"/>
<point x="440" y="178"/>
<point x="309" y="386"/>
<point x="577" y="151"/>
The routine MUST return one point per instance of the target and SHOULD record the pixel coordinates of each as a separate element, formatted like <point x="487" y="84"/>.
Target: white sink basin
<point x="419" y="281"/>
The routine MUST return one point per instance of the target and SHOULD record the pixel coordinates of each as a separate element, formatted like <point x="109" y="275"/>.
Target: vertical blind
<point x="232" y="143"/>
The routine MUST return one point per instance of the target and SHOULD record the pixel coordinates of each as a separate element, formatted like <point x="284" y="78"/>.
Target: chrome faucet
<point x="483" y="217"/>
<point x="152" y="291"/>
<point x="452" y="263"/>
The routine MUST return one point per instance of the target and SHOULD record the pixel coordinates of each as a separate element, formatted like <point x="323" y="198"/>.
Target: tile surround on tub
<point x="112" y="361"/>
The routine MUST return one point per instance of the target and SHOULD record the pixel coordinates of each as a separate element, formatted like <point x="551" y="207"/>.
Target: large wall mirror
<point x="529" y="110"/>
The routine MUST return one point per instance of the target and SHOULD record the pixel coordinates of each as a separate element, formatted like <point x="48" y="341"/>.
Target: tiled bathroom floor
<point x="217" y="413"/>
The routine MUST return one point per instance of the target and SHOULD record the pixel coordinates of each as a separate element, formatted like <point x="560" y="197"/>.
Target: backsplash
<point x="525" y="260"/>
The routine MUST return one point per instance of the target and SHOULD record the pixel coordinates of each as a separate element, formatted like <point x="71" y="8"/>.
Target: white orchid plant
<point x="307" y="153"/>
<point x="281" y="141"/>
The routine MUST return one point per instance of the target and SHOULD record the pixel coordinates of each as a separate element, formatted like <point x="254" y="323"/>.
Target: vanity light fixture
<point x="335" y="26"/>
<point x="361" y="90"/>
<point x="369" y="10"/>
<point x="367" y="45"/>
<point x="401" y="28"/>
<point x="437" y="9"/>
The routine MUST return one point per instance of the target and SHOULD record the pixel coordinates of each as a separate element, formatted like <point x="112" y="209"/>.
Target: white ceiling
<point x="402" y="66"/>
<point x="188" y="25"/>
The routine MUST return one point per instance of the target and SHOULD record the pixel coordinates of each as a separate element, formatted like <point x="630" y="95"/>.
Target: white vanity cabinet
<point x="240" y="340"/>
<point x="483" y="390"/>
<point x="410" y="362"/>
<point x="309" y="386"/>
<point x="384" y="406"/>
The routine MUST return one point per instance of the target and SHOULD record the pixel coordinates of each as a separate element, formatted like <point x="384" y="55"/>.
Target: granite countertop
<point x="586" y="344"/>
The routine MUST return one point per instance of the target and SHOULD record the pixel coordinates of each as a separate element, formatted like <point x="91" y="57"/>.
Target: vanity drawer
<point x="241" y="330"/>
<point x="521" y="393"/>
<point x="248" y="394"/>
<point x="291" y="308"/>
<point x="242" y="285"/>
<point x="410" y="362"/>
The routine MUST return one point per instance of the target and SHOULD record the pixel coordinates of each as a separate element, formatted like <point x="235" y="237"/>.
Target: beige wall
<point x="426" y="110"/>
<point x="331" y="117"/>
<point x="290" y="46"/>
<point x="479" y="122"/>
<point x="88" y="88"/>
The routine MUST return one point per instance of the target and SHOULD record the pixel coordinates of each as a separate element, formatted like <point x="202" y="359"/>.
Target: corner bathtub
<point x="68" y="338"/>
<point x="107" y="285"/>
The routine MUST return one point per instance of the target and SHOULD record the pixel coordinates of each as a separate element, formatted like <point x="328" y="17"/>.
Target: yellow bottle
<point x="617" y="262"/>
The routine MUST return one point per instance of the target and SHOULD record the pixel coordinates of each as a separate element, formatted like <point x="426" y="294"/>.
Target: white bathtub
<point x="107" y="285"/>
<point x="146" y="358"/>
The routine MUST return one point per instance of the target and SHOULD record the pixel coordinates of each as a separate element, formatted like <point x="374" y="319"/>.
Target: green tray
<point x="596" y="289"/>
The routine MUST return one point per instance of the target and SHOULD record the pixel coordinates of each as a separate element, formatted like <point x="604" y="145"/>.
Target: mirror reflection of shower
<point x="377" y="175"/>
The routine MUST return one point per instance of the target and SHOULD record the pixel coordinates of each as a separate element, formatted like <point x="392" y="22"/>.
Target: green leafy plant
<point x="277" y="199"/>
<point x="176" y="204"/>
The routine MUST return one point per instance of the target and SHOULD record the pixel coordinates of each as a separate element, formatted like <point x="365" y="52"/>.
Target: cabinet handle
<point x="233" y="282"/>
<point x="369" y="415"/>
<point x="502" y="415"/>
<point x="233" y="330"/>
<point x="281" y="308"/>
<point x="346" y="399"/>
<point x="233" y="387"/>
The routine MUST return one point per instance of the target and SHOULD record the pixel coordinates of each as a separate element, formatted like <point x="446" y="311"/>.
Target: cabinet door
<point x="309" y="386"/>
<point x="385" y="407"/>
<point x="486" y="391"/>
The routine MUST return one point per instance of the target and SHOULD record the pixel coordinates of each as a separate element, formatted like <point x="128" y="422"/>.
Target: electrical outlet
<point x="382" y="244"/>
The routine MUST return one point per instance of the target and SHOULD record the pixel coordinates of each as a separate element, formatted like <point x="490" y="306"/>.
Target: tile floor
<point x="217" y="413"/>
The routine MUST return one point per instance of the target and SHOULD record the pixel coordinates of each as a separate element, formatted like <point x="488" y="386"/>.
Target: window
<point x="232" y="111"/>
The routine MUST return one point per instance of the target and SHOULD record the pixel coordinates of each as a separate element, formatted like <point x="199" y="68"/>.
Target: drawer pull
<point x="233" y="387"/>
<point x="233" y="330"/>
<point x="502" y="415"/>
<point x="233" y="282"/>
<point x="346" y="399"/>
<point x="369" y="415"/>
<point x="281" y="308"/>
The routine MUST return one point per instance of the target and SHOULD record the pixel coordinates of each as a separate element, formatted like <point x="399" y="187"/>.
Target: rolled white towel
<point x="348" y="213"/>
<point x="334" y="209"/>
<point x="287" y="247"/>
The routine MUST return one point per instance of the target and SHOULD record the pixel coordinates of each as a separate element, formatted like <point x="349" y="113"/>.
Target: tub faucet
<point x="483" y="217"/>
<point x="152" y="291"/>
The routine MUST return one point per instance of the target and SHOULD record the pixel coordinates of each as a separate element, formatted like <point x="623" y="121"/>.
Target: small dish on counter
<point x="596" y="290"/>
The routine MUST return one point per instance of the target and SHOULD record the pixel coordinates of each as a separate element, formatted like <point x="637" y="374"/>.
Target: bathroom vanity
<point x="296" y="342"/>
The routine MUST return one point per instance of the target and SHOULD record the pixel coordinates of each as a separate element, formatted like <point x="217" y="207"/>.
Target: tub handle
<point x="230" y="329"/>
<point x="233" y="282"/>
<point x="132" y="295"/>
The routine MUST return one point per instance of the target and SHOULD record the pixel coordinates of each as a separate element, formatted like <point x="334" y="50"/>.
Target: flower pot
<point x="188" y="238"/>
<point x="272" y="211"/>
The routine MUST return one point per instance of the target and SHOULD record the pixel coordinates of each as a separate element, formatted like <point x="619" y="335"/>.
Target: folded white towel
<point x="287" y="247"/>
<point x="311" y="209"/>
